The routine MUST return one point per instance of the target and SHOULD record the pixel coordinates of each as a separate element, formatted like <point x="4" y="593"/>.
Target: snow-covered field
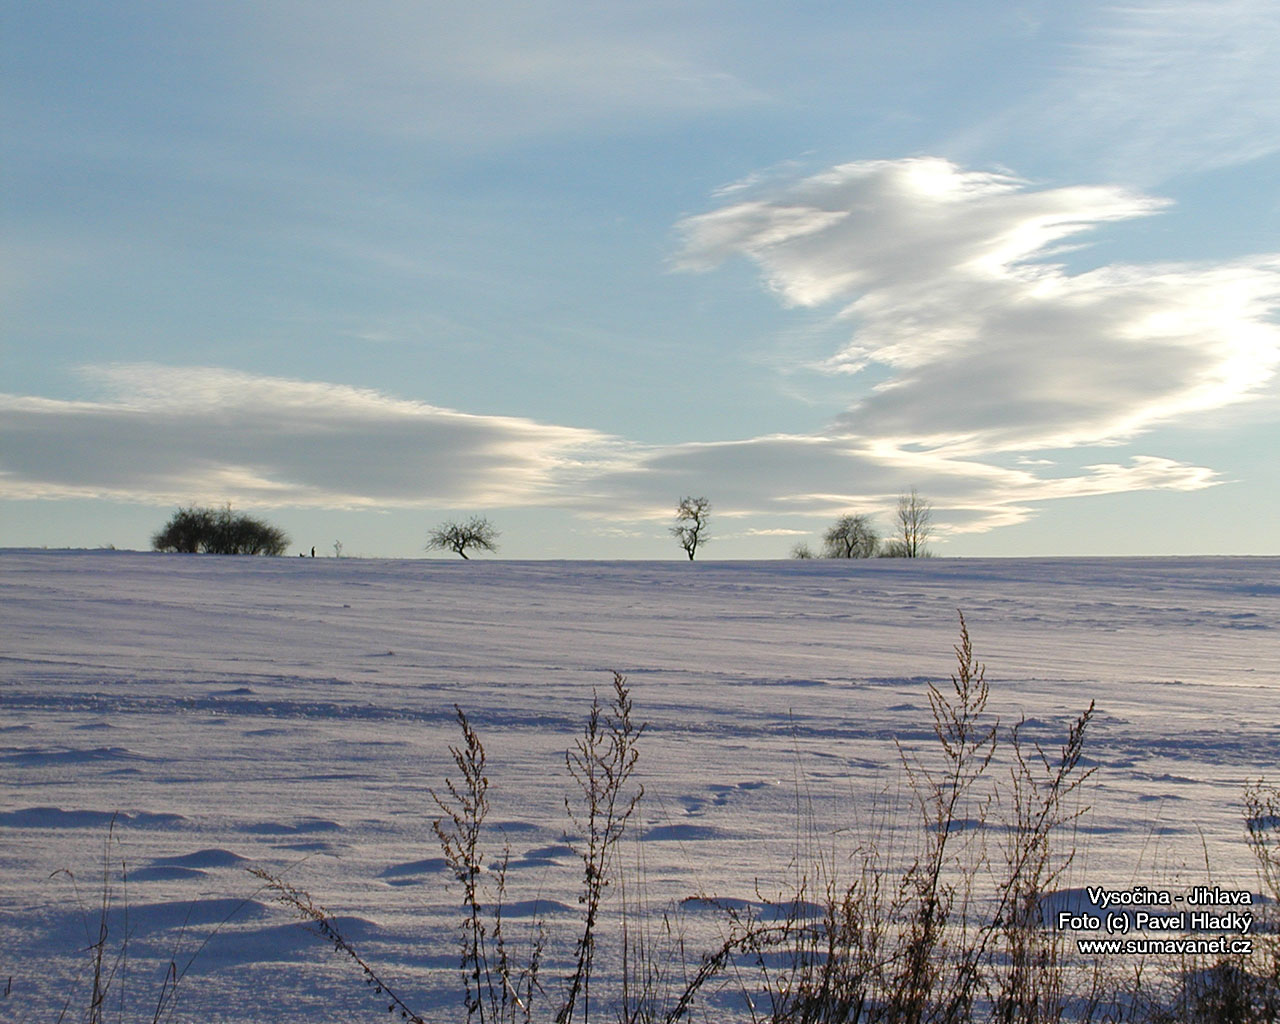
<point x="292" y="713"/>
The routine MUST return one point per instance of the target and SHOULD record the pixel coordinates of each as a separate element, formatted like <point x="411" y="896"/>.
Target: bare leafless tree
<point x="915" y="524"/>
<point x="477" y="533"/>
<point x="691" y="524"/>
<point x="851" y="536"/>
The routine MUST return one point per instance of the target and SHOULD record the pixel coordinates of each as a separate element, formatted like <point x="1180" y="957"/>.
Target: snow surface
<point x="292" y="713"/>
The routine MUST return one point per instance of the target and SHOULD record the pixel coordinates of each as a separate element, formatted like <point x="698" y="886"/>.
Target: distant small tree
<point x="851" y="536"/>
<point x="476" y="534"/>
<point x="915" y="524"/>
<point x="219" y="531"/>
<point x="690" y="530"/>
<point x="802" y="550"/>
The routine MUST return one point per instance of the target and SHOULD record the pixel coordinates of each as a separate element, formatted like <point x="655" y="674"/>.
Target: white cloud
<point x="172" y="435"/>
<point x="946" y="279"/>
<point x="812" y="476"/>
<point x="168" y="435"/>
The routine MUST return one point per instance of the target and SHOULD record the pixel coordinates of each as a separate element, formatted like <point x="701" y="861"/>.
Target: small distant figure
<point x="313" y="552"/>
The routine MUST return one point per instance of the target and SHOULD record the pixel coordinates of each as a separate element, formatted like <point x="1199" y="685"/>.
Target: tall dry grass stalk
<point x="950" y="934"/>
<point x="602" y="763"/>
<point x="924" y="942"/>
<point x="109" y="996"/>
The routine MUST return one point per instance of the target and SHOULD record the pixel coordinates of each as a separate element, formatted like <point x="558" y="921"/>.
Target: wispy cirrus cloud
<point x="949" y="280"/>
<point x="473" y="74"/>
<point x="1149" y="90"/>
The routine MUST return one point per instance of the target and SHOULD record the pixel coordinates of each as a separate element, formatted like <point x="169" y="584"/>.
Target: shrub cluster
<point x="219" y="531"/>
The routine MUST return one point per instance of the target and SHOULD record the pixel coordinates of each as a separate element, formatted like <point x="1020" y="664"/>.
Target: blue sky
<point x="365" y="267"/>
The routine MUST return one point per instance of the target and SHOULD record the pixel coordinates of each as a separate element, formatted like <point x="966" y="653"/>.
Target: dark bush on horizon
<point x="219" y="531"/>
